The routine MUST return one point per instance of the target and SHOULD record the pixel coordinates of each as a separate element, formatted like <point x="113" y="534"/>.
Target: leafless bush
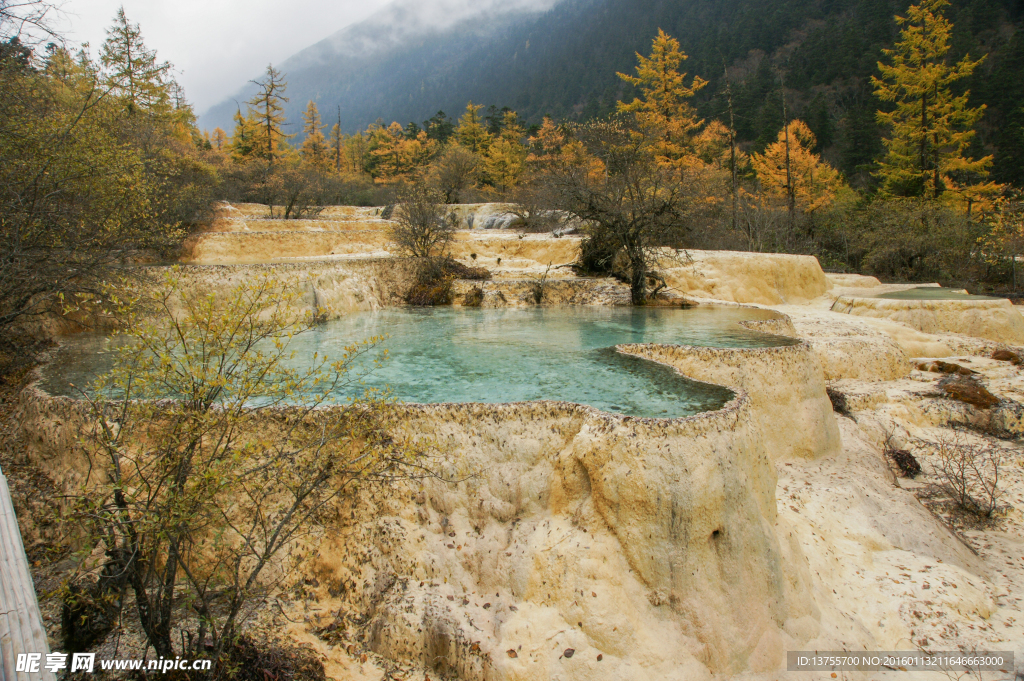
<point x="533" y="209"/>
<point x="970" y="472"/>
<point x="433" y="285"/>
<point x="453" y="172"/>
<point x="537" y="286"/>
<point x="904" y="461"/>
<point x="303" y="194"/>
<point x="764" y="224"/>
<point x="423" y="227"/>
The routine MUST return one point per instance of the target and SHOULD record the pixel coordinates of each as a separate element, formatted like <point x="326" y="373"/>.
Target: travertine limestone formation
<point x="762" y="278"/>
<point x="507" y="292"/>
<point x="786" y="387"/>
<point x="996" y="320"/>
<point x="853" y="280"/>
<point x="657" y="533"/>
<point x="581" y="545"/>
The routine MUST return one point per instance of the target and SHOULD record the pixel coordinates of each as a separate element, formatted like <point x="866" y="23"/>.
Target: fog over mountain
<point x="402" y="63"/>
<point x="560" y="58"/>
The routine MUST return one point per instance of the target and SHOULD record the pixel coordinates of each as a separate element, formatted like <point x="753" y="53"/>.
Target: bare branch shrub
<point x="196" y="491"/>
<point x="424" y="228"/>
<point x="904" y="460"/>
<point x="537" y="286"/>
<point x="970" y="472"/>
<point x="433" y="285"/>
<point x="453" y="172"/>
<point x="533" y="209"/>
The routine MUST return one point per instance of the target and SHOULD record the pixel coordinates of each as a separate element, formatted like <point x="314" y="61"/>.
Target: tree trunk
<point x="790" y="193"/>
<point x="637" y="277"/>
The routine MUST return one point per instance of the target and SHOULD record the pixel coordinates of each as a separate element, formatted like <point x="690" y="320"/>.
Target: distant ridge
<point x="560" y="57"/>
<point x="403" y="63"/>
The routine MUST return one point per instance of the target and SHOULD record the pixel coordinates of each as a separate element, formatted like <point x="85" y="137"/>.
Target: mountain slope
<point x="395" y="65"/>
<point x="562" y="62"/>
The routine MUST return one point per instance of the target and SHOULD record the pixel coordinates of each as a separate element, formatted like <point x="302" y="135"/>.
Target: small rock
<point x="939" y="366"/>
<point x="1007" y="356"/>
<point x="969" y="390"/>
<point x="905" y="461"/>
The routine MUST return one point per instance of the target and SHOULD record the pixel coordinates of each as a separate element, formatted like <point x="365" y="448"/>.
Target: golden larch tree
<point x="663" y="108"/>
<point x="505" y="159"/>
<point x="811" y="182"/>
<point x="394" y="155"/>
<point x="929" y="127"/>
<point x="314" y="149"/>
<point x="219" y="139"/>
<point x="266" y="107"/>
<point x="546" y="144"/>
<point x="471" y="132"/>
<point x="133" y="74"/>
<point x="243" y="140"/>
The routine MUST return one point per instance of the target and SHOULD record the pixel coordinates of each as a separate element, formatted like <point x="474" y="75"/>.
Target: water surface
<point x="932" y="293"/>
<point x="507" y="355"/>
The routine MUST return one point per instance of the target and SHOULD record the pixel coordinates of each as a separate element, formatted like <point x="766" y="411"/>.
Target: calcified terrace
<point x="595" y="545"/>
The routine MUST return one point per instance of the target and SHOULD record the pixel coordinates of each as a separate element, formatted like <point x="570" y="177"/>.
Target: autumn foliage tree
<point x="99" y="165"/>
<point x="788" y="166"/>
<point x="314" y="149"/>
<point x="471" y="132"/>
<point x="505" y="159"/>
<point x="133" y="73"/>
<point x="453" y="171"/>
<point x="930" y="127"/>
<point x="193" y="494"/>
<point x="266" y="109"/>
<point x="1004" y="241"/>
<point x="663" y="109"/>
<point x="394" y="155"/>
<point x="615" y="181"/>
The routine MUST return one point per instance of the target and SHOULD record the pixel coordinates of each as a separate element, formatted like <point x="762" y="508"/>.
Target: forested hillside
<point x="563" y="63"/>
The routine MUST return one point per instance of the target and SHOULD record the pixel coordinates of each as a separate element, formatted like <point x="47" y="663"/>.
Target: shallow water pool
<point x="507" y="355"/>
<point x="932" y="293"/>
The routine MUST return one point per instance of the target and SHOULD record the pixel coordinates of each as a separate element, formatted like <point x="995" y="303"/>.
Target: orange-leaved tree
<point x="789" y="169"/>
<point x="314" y="149"/>
<point x="663" y="109"/>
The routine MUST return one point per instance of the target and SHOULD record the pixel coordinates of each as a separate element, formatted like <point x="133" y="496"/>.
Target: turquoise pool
<point x="507" y="355"/>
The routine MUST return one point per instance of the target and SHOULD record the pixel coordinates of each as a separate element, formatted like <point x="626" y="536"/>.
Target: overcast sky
<point x="217" y="45"/>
